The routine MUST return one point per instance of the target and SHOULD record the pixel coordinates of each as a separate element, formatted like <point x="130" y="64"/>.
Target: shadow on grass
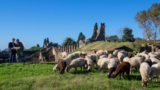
<point x="79" y="72"/>
<point x="49" y="63"/>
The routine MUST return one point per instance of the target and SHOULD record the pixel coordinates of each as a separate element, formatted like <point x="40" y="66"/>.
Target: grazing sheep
<point x="145" y="70"/>
<point x="115" y="53"/>
<point x="103" y="56"/>
<point x="135" y="62"/>
<point x="154" y="60"/>
<point x="112" y="65"/>
<point x="149" y="62"/>
<point x="78" y="62"/>
<point x="93" y="57"/>
<point x="121" y="56"/>
<point x="103" y="63"/>
<point x="102" y="59"/>
<point x="89" y="64"/>
<point x="55" y="68"/>
<point x="61" y="65"/>
<point x="64" y="55"/>
<point x="126" y="59"/>
<point x="155" y="70"/>
<point x="106" y="52"/>
<point x="145" y="55"/>
<point x="101" y="52"/>
<point x="122" y="68"/>
<point x="110" y="56"/>
<point x="124" y="53"/>
<point x="152" y="55"/>
<point x="116" y="59"/>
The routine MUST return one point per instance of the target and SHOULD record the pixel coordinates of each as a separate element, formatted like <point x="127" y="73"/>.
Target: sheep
<point x="78" y="62"/>
<point x="116" y="59"/>
<point x="102" y="59"/>
<point x="152" y="55"/>
<point x="135" y="62"/>
<point x="130" y="55"/>
<point x="55" y="68"/>
<point x="115" y="53"/>
<point x="106" y="52"/>
<point x="145" y="55"/>
<point x="103" y="63"/>
<point x="122" y="68"/>
<point x="103" y="56"/>
<point x="89" y="64"/>
<point x="124" y="53"/>
<point x="102" y="52"/>
<point x="155" y="70"/>
<point x="93" y="57"/>
<point x="145" y="70"/>
<point x="112" y="65"/>
<point x="149" y="62"/>
<point x="126" y="59"/>
<point x="121" y="56"/>
<point x="110" y="56"/>
<point x="64" y="54"/>
<point x="154" y="60"/>
<point x="61" y="65"/>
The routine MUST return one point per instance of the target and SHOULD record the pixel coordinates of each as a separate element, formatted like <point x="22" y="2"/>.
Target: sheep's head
<point x="144" y="82"/>
<point x="112" y="76"/>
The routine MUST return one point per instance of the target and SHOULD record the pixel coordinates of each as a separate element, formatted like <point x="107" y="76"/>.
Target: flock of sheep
<point x="119" y="62"/>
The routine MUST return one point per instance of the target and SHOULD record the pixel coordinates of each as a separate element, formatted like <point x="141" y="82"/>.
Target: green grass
<point x="40" y="76"/>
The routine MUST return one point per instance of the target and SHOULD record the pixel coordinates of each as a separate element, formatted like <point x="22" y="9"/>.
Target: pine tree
<point x="47" y="40"/>
<point x="95" y="27"/>
<point x="38" y="45"/>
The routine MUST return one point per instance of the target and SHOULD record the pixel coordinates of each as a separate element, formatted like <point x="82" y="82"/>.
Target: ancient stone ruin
<point x="98" y="35"/>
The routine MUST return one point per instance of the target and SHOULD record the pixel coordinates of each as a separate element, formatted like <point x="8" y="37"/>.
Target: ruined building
<point x="98" y="35"/>
<point x="48" y="45"/>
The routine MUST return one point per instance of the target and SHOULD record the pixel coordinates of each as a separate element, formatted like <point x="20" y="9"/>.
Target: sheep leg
<point x="76" y="69"/>
<point x="128" y="74"/>
<point x="123" y="75"/>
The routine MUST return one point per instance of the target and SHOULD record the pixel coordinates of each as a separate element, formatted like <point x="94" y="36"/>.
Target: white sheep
<point x="155" y="60"/>
<point x="103" y="64"/>
<point x="121" y="56"/>
<point x="102" y="52"/>
<point x="145" y="70"/>
<point x="78" y="62"/>
<point x="124" y="53"/>
<point x="116" y="59"/>
<point x="55" y="68"/>
<point x="155" y="70"/>
<point x="126" y="59"/>
<point x="89" y="64"/>
<point x="143" y="54"/>
<point x="103" y="56"/>
<point x="102" y="59"/>
<point x="110" y="56"/>
<point x="115" y="53"/>
<point x="93" y="57"/>
<point x="152" y="55"/>
<point x="64" y="55"/>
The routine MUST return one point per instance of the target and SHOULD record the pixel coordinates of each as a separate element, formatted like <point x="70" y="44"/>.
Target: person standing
<point x="12" y="51"/>
<point x="20" y="50"/>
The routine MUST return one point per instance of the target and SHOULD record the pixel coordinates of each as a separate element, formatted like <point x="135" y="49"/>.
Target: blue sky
<point x="33" y="20"/>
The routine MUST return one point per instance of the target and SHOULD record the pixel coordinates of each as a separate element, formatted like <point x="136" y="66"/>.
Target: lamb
<point x="145" y="70"/>
<point x="155" y="70"/>
<point x="89" y="64"/>
<point x="154" y="60"/>
<point x="121" y="56"/>
<point x="122" y="68"/>
<point x="110" y="56"/>
<point x="61" y="65"/>
<point x="79" y="62"/>
<point x="64" y="54"/>
<point x="103" y="56"/>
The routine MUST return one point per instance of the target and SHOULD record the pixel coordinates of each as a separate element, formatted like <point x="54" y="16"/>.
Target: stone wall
<point x="67" y="48"/>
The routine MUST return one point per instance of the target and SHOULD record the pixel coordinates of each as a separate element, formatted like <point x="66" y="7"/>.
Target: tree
<point x="154" y="17"/>
<point x="80" y="37"/>
<point x="95" y="27"/>
<point x="127" y="35"/>
<point x="38" y="45"/>
<point x="112" y="38"/>
<point x="68" y="41"/>
<point x="144" y="23"/>
<point x="47" y="40"/>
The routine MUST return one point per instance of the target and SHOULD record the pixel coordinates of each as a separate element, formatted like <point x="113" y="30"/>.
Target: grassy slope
<point x="40" y="76"/>
<point x="101" y="45"/>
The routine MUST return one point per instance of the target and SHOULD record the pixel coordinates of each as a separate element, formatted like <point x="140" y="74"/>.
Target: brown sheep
<point x="130" y="55"/>
<point x="110" y="71"/>
<point x="122" y="68"/>
<point x="61" y="65"/>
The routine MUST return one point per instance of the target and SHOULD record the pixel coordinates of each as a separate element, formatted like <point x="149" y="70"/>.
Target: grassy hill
<point x="101" y="45"/>
<point x="40" y="76"/>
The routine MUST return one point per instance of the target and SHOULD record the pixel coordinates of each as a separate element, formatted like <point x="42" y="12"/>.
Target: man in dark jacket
<point x="20" y="50"/>
<point x="12" y="51"/>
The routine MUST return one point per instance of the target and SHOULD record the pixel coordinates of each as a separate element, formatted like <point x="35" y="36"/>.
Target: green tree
<point x="112" y="38"/>
<point x="127" y="35"/>
<point x="47" y="40"/>
<point x="142" y="18"/>
<point x="38" y="45"/>
<point x="154" y="17"/>
<point x="80" y="37"/>
<point x="69" y="41"/>
<point x="95" y="27"/>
